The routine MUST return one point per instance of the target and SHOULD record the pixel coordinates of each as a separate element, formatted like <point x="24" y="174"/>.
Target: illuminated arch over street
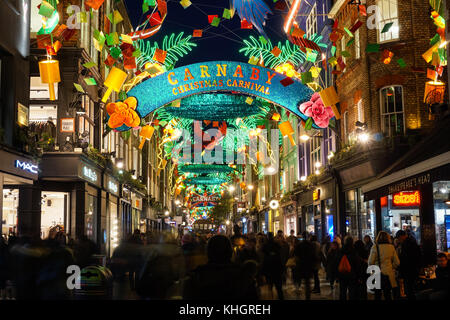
<point x="220" y="76"/>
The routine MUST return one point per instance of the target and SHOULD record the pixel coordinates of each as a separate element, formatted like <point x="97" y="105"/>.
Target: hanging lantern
<point x="434" y="92"/>
<point x="287" y="131"/>
<point x="242" y="185"/>
<point x="146" y="134"/>
<point x="114" y="81"/>
<point x="330" y="98"/>
<point x="49" y="71"/>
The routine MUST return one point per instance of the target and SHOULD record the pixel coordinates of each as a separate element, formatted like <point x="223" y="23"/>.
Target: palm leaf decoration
<point x="289" y="51"/>
<point x="176" y="46"/>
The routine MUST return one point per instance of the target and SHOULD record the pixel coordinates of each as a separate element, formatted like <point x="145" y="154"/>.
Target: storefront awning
<point x="434" y="168"/>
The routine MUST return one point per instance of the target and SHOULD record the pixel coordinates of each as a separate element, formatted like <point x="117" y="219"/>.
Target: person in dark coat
<point x="332" y="263"/>
<point x="220" y="279"/>
<point x="304" y="268"/>
<point x="317" y="262"/>
<point x="348" y="280"/>
<point x="272" y="266"/>
<point x="410" y="261"/>
<point x="360" y="250"/>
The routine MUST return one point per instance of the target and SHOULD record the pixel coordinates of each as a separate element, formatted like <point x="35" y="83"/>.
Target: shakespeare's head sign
<point x="219" y="76"/>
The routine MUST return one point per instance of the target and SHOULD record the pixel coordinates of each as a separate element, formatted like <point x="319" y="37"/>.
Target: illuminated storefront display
<point x="26" y="166"/>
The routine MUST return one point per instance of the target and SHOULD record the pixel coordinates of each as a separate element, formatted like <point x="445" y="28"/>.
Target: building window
<point x="343" y="49"/>
<point x="357" y="45"/>
<point x="345" y="121"/>
<point x="316" y="156"/>
<point x="311" y="22"/>
<point x="359" y="107"/>
<point x="392" y="118"/>
<point x="388" y="13"/>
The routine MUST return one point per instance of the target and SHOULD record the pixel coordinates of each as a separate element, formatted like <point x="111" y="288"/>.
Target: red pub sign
<point x="406" y="198"/>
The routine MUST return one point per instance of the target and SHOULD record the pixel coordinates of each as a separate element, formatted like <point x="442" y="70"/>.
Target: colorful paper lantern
<point x="49" y="72"/>
<point x="116" y="78"/>
<point x="287" y="131"/>
<point x="146" y="134"/>
<point x="330" y="98"/>
<point x="434" y="92"/>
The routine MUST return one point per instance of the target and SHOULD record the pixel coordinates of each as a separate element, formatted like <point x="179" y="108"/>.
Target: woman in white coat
<point x="384" y="255"/>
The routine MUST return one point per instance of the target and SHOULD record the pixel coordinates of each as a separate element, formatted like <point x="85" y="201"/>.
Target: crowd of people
<point x="253" y="266"/>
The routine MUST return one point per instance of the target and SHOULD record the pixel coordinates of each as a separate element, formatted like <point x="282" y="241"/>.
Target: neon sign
<point x="411" y="198"/>
<point x="26" y="166"/>
<point x="316" y="194"/>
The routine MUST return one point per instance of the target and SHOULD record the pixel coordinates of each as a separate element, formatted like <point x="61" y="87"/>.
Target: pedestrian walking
<point x="332" y="263"/>
<point x="410" y="262"/>
<point x="304" y="267"/>
<point x="349" y="269"/>
<point x="383" y="254"/>
<point x="317" y="260"/>
<point x="272" y="267"/>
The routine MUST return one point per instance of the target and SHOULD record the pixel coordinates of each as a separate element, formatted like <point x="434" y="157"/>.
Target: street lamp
<point x="119" y="163"/>
<point x="250" y="187"/>
<point x="231" y="188"/>
<point x="303" y="178"/>
<point x="304" y="137"/>
<point x="363" y="137"/>
<point x="166" y="212"/>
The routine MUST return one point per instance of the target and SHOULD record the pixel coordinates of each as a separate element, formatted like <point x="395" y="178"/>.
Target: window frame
<point x="311" y="22"/>
<point x="357" y="45"/>
<point x="382" y="21"/>
<point x="383" y="114"/>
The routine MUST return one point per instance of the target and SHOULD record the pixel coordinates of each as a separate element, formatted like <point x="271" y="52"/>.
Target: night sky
<point x="218" y="43"/>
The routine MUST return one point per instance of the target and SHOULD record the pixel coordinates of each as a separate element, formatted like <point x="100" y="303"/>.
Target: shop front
<point x="125" y="214"/>
<point x="18" y="173"/>
<point x="290" y="218"/>
<point x="112" y="187"/>
<point x="138" y="220"/>
<point x="416" y="199"/>
<point x="72" y="197"/>
<point x="317" y="208"/>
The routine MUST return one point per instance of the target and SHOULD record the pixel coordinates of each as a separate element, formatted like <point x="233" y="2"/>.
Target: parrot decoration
<point x="254" y="11"/>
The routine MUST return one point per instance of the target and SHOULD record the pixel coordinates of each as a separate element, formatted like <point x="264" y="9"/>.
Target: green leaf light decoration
<point x="176" y="46"/>
<point x="289" y="51"/>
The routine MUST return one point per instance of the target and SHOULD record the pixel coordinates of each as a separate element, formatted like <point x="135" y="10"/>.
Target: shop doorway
<point x="54" y="212"/>
<point x="401" y="212"/>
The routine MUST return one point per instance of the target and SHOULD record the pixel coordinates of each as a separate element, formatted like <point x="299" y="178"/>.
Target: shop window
<point x="401" y="213"/>
<point x="392" y="117"/>
<point x="387" y="10"/>
<point x="441" y="192"/>
<point x="39" y="90"/>
<point x="10" y="205"/>
<point x="90" y="218"/>
<point x="318" y="222"/>
<point x="367" y="217"/>
<point x="54" y="212"/>
<point x="351" y="216"/>
<point x="311" y="22"/>
<point x="329" y="214"/>
<point x="308" y="214"/>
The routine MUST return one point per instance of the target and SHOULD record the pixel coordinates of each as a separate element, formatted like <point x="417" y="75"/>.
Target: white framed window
<point x="357" y="45"/>
<point x="343" y="49"/>
<point x="316" y="152"/>
<point x="388" y="12"/>
<point x="359" y="108"/>
<point x="392" y="114"/>
<point x="311" y="22"/>
<point x="345" y="122"/>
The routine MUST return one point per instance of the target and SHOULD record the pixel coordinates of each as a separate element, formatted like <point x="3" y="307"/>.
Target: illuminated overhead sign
<point x="407" y="198"/>
<point x="26" y="166"/>
<point x="89" y="174"/>
<point x="316" y="194"/>
<point x="114" y="187"/>
<point x="219" y="76"/>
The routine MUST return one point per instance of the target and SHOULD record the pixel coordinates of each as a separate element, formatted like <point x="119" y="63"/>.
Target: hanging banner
<point x="205" y="200"/>
<point x="219" y="76"/>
